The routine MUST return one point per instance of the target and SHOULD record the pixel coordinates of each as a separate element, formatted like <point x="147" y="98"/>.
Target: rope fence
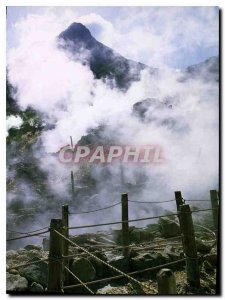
<point x="91" y="211"/>
<point x="99" y="259"/>
<point x="82" y="283"/>
<point x="58" y="259"/>
<point x="26" y="236"/>
<point x="121" y="222"/>
<point x="130" y="273"/>
<point x="151" y="202"/>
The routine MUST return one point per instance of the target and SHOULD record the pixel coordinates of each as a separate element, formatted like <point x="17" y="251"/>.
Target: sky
<point x="170" y="36"/>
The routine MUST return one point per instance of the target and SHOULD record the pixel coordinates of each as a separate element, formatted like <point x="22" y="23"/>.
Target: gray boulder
<point x="16" y="283"/>
<point x="37" y="272"/>
<point x="211" y="258"/>
<point x="148" y="260"/>
<point x="13" y="271"/>
<point x="100" y="268"/>
<point x="36" y="287"/>
<point x="139" y="235"/>
<point x="173" y="253"/>
<point x="202" y="247"/>
<point x="208" y="267"/>
<point x="32" y="247"/>
<point x="119" y="262"/>
<point x="168" y="227"/>
<point x="11" y="254"/>
<point x="83" y="269"/>
<point x="113" y="290"/>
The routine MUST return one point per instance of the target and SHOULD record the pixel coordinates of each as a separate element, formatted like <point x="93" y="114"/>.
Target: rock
<point x="34" y="254"/>
<point x="111" y="290"/>
<point x="83" y="269"/>
<point x="21" y="251"/>
<point x="82" y="239"/>
<point x="208" y="267"/>
<point x="137" y="288"/>
<point x="13" y="271"/>
<point x="202" y="247"/>
<point x="100" y="268"/>
<point x="16" y="283"/>
<point x="133" y="253"/>
<point x="119" y="262"/>
<point x="117" y="236"/>
<point x="211" y="258"/>
<point x="148" y="260"/>
<point x="139" y="235"/>
<point x="168" y="228"/>
<point x="172" y="253"/>
<point x="11" y="254"/>
<point x="35" y="287"/>
<point x="33" y="247"/>
<point x="21" y="259"/>
<point x="37" y="272"/>
<point x="45" y="244"/>
<point x="152" y="228"/>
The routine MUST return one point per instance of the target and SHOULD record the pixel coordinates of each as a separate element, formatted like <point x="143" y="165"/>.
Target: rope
<point x="155" y="202"/>
<point x="73" y="255"/>
<point x="29" y="235"/>
<point x="28" y="231"/>
<point x="27" y="264"/>
<point x="201" y="200"/>
<point x="120" y="222"/>
<point x="44" y="236"/>
<point x="97" y="258"/>
<point x="90" y="211"/>
<point x="82" y="283"/>
<point x="131" y="273"/>
<point x="207" y="209"/>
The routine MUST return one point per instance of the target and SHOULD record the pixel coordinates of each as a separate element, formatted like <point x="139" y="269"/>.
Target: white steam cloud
<point x="67" y="95"/>
<point x="13" y="122"/>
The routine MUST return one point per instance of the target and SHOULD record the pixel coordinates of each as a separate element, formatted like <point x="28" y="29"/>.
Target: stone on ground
<point x="16" y="283"/>
<point x="83" y="269"/>
<point x="168" y="228"/>
<point x="37" y="272"/>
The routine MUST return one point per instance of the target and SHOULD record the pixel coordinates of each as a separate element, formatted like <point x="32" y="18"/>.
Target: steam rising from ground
<point x="13" y="122"/>
<point x="67" y="95"/>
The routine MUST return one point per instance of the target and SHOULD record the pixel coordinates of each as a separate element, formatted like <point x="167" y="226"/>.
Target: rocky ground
<point x="154" y="245"/>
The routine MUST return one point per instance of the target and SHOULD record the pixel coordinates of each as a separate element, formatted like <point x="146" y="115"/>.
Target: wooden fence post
<point x="65" y="224"/>
<point x="189" y="245"/>
<point x="179" y="199"/>
<point x="55" y="257"/>
<point x="72" y="185"/>
<point x="71" y="142"/>
<point x="215" y="209"/>
<point x="166" y="282"/>
<point x="125" y="225"/>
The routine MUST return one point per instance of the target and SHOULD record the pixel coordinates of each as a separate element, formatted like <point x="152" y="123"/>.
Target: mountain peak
<point x="76" y="32"/>
<point x="103" y="61"/>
